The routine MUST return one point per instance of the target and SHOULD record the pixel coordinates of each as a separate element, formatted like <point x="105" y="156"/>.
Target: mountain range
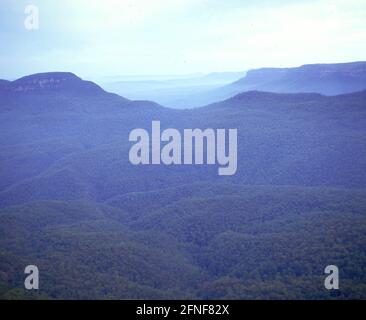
<point x="327" y="79"/>
<point x="100" y="227"/>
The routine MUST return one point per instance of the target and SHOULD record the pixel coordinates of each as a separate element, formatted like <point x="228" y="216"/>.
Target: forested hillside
<point x="99" y="227"/>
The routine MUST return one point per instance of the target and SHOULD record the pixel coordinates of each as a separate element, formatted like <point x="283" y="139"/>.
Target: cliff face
<point x="328" y="79"/>
<point x="50" y="81"/>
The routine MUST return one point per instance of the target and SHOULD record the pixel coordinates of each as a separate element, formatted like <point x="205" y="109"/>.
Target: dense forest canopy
<point x="99" y="227"/>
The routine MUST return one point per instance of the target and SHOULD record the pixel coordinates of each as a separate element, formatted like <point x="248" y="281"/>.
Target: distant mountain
<point x="176" y="92"/>
<point x="72" y="203"/>
<point x="221" y="77"/>
<point x="51" y="81"/>
<point x="328" y="79"/>
<point x="62" y="92"/>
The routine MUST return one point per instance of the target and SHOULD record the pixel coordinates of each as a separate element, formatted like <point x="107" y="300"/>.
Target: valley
<point x="73" y="204"/>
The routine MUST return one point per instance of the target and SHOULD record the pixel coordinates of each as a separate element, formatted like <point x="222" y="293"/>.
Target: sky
<point x="109" y="38"/>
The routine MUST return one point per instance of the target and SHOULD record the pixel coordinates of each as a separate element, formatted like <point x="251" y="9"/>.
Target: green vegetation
<point x="99" y="227"/>
<point x="248" y="242"/>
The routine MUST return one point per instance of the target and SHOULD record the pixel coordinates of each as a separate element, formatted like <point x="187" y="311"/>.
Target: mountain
<point x="328" y="79"/>
<point x="41" y="90"/>
<point x="73" y="204"/>
<point x="60" y="81"/>
<point x="4" y="83"/>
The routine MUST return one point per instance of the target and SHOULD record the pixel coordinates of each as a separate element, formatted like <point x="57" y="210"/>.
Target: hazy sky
<point x="118" y="37"/>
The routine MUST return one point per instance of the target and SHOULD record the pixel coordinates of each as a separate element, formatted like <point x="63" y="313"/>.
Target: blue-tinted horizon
<point x="153" y="37"/>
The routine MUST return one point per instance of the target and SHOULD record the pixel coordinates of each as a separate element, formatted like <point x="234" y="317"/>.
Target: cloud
<point x="180" y="36"/>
